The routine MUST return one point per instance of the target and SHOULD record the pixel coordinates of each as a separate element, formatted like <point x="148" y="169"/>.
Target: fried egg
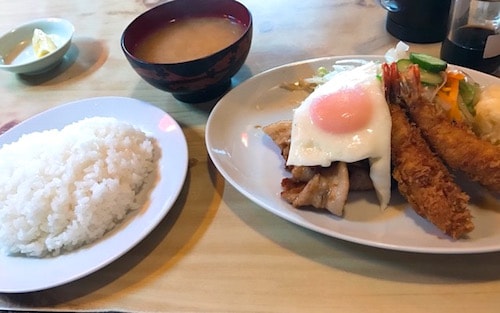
<point x="346" y="119"/>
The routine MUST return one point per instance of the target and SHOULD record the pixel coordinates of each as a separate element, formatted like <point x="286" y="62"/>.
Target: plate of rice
<point x="81" y="184"/>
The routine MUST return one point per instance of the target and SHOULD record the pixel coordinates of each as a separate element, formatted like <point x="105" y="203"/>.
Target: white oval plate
<point x="22" y="274"/>
<point x="251" y="162"/>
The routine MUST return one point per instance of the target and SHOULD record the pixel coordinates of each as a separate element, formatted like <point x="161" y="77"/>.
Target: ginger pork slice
<point x="316" y="186"/>
<point x="327" y="189"/>
<point x="281" y="133"/>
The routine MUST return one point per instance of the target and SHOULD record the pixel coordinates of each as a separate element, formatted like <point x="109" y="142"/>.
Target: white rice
<point x="63" y="189"/>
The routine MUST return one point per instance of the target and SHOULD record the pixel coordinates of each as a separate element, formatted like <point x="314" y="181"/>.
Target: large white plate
<point x="21" y="274"/>
<point x="252" y="164"/>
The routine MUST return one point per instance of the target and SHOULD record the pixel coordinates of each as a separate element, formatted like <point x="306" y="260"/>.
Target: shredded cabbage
<point x="397" y="53"/>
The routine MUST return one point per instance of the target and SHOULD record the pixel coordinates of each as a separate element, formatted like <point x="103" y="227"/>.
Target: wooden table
<point x="216" y="251"/>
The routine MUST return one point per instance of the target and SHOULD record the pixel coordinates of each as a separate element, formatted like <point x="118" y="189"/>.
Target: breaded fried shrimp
<point x="425" y="181"/>
<point x="454" y="142"/>
<point x="422" y="177"/>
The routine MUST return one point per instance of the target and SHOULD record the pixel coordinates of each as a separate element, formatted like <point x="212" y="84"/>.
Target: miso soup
<point x="189" y="39"/>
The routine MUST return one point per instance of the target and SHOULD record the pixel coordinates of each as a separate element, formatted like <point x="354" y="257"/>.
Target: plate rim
<point x="157" y="209"/>
<point x="306" y="224"/>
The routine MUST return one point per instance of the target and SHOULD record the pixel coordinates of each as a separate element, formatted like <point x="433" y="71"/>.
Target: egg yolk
<point x="343" y="111"/>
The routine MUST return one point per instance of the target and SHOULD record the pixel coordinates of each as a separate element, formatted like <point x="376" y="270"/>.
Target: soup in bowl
<point x="191" y="48"/>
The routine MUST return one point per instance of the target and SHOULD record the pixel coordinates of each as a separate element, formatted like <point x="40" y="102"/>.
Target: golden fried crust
<point x="425" y="181"/>
<point x="458" y="146"/>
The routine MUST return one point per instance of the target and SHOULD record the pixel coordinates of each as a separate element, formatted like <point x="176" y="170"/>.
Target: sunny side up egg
<point x="346" y="119"/>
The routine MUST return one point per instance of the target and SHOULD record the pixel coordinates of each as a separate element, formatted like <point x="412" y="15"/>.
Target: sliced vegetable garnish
<point x="322" y="71"/>
<point x="449" y="94"/>
<point x="469" y="93"/>
<point x="426" y="77"/>
<point x="428" y="62"/>
<point x="430" y="78"/>
<point x="403" y="64"/>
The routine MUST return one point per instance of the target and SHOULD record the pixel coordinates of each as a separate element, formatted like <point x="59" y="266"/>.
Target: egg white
<point x="312" y="146"/>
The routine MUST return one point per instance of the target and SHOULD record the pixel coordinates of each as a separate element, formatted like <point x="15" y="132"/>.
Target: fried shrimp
<point x="421" y="176"/>
<point x="454" y="142"/>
